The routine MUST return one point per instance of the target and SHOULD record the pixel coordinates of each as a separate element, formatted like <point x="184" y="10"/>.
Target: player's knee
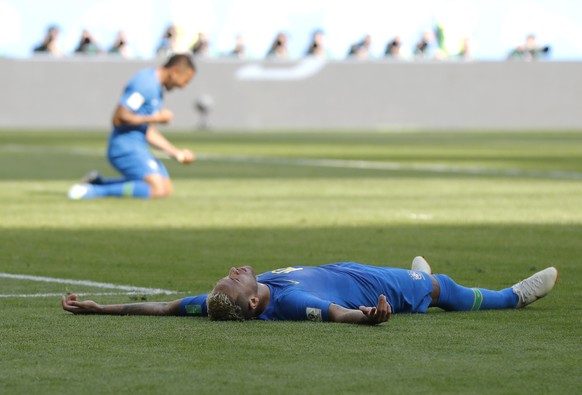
<point x="161" y="189"/>
<point x="168" y="188"/>
<point x="160" y="192"/>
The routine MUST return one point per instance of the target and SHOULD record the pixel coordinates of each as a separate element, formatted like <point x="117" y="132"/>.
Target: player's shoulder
<point x="147" y="72"/>
<point x="145" y="78"/>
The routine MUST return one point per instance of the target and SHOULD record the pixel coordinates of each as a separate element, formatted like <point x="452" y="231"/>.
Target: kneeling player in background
<point x="137" y="113"/>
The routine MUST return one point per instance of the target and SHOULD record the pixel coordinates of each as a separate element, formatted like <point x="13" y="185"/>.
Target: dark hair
<point x="180" y="60"/>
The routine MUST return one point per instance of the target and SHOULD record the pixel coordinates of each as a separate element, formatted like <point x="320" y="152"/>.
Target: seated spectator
<point x="529" y="50"/>
<point x="361" y="49"/>
<point x="394" y="48"/>
<point x="120" y="47"/>
<point x="424" y="48"/>
<point x="200" y="47"/>
<point x="316" y="48"/>
<point x="279" y="47"/>
<point x="239" y="50"/>
<point x="49" y="43"/>
<point x="87" y="44"/>
<point x="167" y="45"/>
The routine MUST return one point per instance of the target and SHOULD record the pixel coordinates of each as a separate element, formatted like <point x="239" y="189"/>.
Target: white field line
<point x="316" y="162"/>
<point x="40" y="149"/>
<point x="51" y="295"/>
<point x="129" y="289"/>
<point x="391" y="166"/>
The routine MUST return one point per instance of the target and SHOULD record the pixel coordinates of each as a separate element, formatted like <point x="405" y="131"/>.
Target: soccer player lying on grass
<point x="338" y="292"/>
<point x="137" y="113"/>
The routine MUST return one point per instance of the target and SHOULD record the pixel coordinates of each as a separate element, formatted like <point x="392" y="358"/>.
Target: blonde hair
<point x="221" y="308"/>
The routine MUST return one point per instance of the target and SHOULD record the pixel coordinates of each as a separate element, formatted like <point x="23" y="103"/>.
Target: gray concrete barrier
<point x="81" y="93"/>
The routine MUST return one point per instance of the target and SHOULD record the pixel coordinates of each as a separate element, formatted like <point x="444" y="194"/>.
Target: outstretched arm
<point x="365" y="315"/>
<point x="71" y="304"/>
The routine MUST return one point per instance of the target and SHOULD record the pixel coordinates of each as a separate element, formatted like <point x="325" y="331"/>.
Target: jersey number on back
<point x="286" y="270"/>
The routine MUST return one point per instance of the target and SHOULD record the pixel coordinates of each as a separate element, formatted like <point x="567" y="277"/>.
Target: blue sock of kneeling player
<point x="137" y="189"/>
<point x="454" y="297"/>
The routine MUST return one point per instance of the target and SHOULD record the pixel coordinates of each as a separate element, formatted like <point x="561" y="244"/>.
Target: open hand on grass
<point x="71" y="304"/>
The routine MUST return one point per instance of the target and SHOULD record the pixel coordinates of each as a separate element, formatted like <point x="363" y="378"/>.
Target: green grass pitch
<point x="487" y="208"/>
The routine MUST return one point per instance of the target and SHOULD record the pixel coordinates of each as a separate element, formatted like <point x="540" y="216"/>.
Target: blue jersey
<point x="306" y="292"/>
<point x="143" y="95"/>
<point x="194" y="305"/>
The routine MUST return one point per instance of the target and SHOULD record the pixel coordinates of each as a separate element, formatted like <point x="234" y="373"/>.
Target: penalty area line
<point x="129" y="289"/>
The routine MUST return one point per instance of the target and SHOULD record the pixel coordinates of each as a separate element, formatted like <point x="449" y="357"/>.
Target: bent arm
<point x="157" y="140"/>
<point x="71" y="304"/>
<point x="365" y="315"/>
<point x="125" y="116"/>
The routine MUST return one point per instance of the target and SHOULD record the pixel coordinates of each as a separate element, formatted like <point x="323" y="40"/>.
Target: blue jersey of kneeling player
<point x="306" y="292"/>
<point x="143" y="95"/>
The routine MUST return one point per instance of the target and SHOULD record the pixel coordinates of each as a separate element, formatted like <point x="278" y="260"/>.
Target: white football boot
<point x="535" y="287"/>
<point x="78" y="191"/>
<point x="421" y="265"/>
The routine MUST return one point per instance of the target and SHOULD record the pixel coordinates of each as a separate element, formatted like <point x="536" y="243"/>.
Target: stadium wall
<point x="80" y="93"/>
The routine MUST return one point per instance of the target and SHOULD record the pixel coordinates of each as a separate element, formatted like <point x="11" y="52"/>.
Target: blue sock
<point x="138" y="189"/>
<point x="454" y="297"/>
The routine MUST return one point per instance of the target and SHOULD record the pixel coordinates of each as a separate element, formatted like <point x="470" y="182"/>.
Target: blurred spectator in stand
<point x="120" y="47"/>
<point x="361" y="49"/>
<point x="279" y="47"/>
<point x="239" y="50"/>
<point x="316" y="48"/>
<point x="87" y="44"/>
<point x="424" y="48"/>
<point x="529" y="50"/>
<point x="200" y="47"/>
<point x="167" y="46"/>
<point x="49" y="43"/>
<point x="394" y="48"/>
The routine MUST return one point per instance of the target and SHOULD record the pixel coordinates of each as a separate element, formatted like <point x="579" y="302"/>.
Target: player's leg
<point x="135" y="166"/>
<point x="84" y="190"/>
<point x="454" y="297"/>
<point x="146" y="176"/>
<point x="159" y="182"/>
<point x="124" y="188"/>
<point x="95" y="178"/>
<point x="160" y="186"/>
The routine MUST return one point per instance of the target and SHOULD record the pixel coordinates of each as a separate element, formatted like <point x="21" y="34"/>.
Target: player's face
<point x="243" y="277"/>
<point x="179" y="78"/>
<point x="240" y="283"/>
